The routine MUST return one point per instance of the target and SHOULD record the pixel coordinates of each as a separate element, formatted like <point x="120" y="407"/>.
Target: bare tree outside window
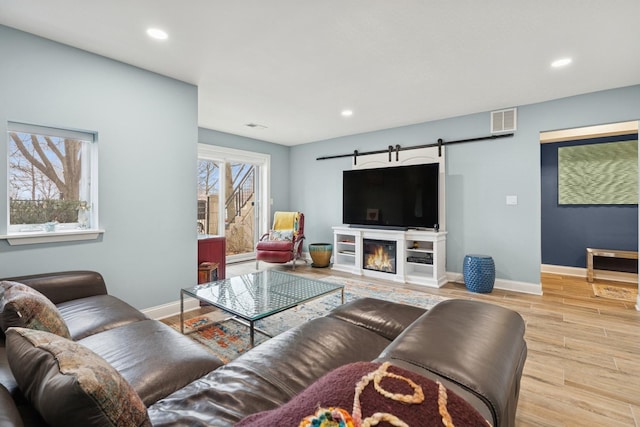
<point x="237" y="208"/>
<point x="208" y="192"/>
<point x="45" y="178"/>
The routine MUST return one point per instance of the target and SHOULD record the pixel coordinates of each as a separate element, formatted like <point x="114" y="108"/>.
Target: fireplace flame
<point x="379" y="260"/>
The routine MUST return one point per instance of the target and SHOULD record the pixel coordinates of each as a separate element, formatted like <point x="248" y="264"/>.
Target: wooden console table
<point x="609" y="253"/>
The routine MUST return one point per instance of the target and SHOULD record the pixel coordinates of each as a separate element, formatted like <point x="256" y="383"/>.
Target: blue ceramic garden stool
<point x="479" y="273"/>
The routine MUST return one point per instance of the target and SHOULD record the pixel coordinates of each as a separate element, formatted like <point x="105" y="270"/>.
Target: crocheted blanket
<point x="366" y="394"/>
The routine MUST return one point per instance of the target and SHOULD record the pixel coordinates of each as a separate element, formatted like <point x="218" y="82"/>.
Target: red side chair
<point x="284" y="242"/>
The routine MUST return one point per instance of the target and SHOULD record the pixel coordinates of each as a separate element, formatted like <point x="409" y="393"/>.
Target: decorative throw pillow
<point x="286" y="235"/>
<point x="69" y="384"/>
<point x="366" y="393"/>
<point x="24" y="307"/>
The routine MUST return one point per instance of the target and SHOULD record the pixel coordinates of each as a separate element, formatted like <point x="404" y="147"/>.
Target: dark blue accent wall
<point x="567" y="230"/>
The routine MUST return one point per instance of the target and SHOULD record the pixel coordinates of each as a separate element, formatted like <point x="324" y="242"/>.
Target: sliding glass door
<point x="232" y="189"/>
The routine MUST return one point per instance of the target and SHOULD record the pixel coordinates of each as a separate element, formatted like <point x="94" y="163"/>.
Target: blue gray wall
<point x="479" y="176"/>
<point x="147" y="127"/>
<point x="147" y="133"/>
<point x="279" y="161"/>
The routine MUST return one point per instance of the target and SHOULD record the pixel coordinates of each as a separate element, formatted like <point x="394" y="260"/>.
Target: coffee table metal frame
<point x="251" y="297"/>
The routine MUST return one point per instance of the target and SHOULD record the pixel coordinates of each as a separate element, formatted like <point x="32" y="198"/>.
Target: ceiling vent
<point x="255" y="126"/>
<point x="503" y="120"/>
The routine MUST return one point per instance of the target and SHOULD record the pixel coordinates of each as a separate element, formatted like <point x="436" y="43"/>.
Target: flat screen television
<point x="393" y="197"/>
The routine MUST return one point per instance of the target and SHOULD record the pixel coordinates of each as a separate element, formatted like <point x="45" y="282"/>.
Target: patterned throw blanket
<point x="366" y="394"/>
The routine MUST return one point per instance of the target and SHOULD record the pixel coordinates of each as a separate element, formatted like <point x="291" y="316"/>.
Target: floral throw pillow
<point x="24" y="307"/>
<point x="69" y="384"/>
<point x="283" y="235"/>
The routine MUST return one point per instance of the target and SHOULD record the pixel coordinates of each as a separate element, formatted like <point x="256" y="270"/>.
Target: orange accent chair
<point x="284" y="242"/>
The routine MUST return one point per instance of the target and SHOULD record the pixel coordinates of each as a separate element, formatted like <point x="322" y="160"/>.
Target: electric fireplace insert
<point x="379" y="255"/>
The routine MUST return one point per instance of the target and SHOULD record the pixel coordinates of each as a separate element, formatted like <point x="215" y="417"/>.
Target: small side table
<point x="609" y="253"/>
<point x="479" y="273"/>
<point x="207" y="272"/>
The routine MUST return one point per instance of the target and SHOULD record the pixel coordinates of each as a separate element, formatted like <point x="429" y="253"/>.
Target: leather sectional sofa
<point x="475" y="350"/>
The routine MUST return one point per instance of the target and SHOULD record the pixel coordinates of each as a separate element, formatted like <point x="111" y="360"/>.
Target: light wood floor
<point x="583" y="363"/>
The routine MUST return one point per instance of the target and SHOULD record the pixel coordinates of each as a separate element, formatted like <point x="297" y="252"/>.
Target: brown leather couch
<point x="475" y="349"/>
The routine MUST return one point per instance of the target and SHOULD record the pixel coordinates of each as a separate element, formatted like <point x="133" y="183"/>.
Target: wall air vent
<point x="503" y="120"/>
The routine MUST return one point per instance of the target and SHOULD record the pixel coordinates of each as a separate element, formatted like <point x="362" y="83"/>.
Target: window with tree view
<point x="51" y="172"/>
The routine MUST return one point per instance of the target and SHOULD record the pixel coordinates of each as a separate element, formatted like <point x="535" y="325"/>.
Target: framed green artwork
<point x="598" y="174"/>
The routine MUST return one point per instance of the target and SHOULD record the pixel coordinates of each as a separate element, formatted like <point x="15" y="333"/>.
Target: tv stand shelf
<point x="420" y="255"/>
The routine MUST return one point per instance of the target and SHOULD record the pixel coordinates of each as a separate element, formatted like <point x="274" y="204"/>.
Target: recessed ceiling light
<point x="157" y="33"/>
<point x="347" y="113"/>
<point x="563" y="62"/>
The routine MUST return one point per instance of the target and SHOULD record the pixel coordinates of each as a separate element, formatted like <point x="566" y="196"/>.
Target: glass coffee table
<point x="251" y="297"/>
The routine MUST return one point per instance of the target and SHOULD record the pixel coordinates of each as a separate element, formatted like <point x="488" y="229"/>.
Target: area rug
<point x="228" y="339"/>
<point x="621" y="293"/>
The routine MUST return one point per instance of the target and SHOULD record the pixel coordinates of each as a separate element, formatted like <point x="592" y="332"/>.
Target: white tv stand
<point x="348" y="254"/>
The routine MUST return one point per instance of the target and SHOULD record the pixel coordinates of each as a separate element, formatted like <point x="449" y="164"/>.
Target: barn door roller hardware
<point x="397" y="148"/>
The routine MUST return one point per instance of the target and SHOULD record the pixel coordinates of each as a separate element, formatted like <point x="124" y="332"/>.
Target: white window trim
<point x="51" y="237"/>
<point x="63" y="232"/>
<point x="224" y="154"/>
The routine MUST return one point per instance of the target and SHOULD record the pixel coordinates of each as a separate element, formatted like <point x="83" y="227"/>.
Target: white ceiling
<point x="294" y="65"/>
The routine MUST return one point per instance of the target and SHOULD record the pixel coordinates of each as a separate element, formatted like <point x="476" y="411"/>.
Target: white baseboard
<point x="564" y="270"/>
<point x="170" y="309"/>
<point x="507" y="285"/>
<point x="617" y="276"/>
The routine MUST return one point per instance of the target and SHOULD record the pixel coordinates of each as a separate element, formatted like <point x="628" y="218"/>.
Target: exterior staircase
<point x="240" y="209"/>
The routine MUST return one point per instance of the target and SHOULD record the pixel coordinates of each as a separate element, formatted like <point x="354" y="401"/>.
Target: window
<point x="52" y="185"/>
